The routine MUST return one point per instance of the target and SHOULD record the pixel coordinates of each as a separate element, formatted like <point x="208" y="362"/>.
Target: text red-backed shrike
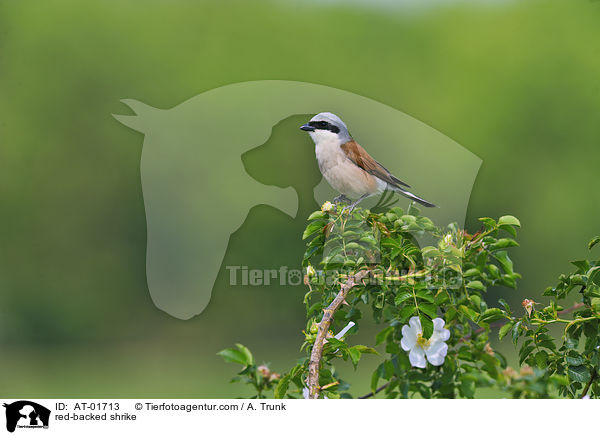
<point x="346" y="166"/>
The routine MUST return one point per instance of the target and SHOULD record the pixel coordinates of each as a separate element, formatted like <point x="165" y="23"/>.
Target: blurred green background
<point x="515" y="82"/>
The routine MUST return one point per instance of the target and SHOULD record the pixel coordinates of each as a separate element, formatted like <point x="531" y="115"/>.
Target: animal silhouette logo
<point x="192" y="173"/>
<point x="26" y="414"/>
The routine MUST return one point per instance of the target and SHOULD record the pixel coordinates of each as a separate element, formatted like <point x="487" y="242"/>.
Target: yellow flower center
<point x="422" y="342"/>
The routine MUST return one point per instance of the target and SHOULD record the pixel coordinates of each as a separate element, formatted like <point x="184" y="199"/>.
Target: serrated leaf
<point x="427" y="325"/>
<point x="541" y="359"/>
<point x="425" y="295"/>
<point x="429" y="309"/>
<point x="524" y="352"/>
<point x="579" y="373"/>
<point x="574" y="359"/>
<point x="402" y="297"/>
<point x="282" y="386"/>
<point x="406" y="312"/>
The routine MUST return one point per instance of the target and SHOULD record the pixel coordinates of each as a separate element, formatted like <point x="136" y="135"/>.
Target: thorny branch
<point x="317" y="350"/>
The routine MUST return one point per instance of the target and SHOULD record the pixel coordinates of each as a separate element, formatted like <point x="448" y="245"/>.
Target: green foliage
<point x="575" y="359"/>
<point x="261" y="378"/>
<point x="447" y="279"/>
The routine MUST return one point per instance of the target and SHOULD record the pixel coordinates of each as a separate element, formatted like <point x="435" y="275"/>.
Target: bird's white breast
<point x="339" y="171"/>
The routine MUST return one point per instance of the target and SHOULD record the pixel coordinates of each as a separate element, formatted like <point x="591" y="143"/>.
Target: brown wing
<point x="361" y="158"/>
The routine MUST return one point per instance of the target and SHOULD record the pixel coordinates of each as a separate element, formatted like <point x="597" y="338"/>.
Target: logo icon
<point x="26" y="414"/>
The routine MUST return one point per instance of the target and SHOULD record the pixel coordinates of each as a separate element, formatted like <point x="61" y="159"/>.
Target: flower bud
<point x="528" y="305"/>
<point x="327" y="206"/>
<point x="264" y="371"/>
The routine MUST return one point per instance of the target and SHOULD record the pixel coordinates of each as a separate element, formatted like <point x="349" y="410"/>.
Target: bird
<point x="347" y="167"/>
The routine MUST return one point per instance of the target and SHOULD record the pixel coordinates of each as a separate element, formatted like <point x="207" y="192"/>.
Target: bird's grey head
<point x="326" y="124"/>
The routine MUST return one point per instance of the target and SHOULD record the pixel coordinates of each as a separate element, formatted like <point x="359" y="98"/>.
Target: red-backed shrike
<point x="346" y="166"/>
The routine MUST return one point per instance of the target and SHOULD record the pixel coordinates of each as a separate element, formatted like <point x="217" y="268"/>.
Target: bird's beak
<point x="307" y="127"/>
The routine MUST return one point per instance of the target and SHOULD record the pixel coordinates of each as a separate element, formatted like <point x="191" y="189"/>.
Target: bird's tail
<point x="413" y="197"/>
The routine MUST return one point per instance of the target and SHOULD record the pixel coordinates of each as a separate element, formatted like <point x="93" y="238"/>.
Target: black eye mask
<point x="324" y="125"/>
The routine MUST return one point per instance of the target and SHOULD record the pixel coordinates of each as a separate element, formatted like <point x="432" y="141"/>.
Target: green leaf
<point x="406" y="312"/>
<point x="505" y="261"/>
<point x="241" y="355"/>
<point x="476" y="285"/>
<point x="541" y="359"/>
<point x="504" y="330"/>
<point x="430" y="251"/>
<point x="579" y="373"/>
<point x="492" y="314"/>
<point x="402" y="297"/>
<point x="354" y="355"/>
<point x="594" y="242"/>
<point x="488" y="222"/>
<point x="312" y="228"/>
<point x="282" y="386"/>
<point x="246" y="352"/>
<point x="524" y="352"/>
<point x="427" y="325"/>
<point x="429" y="309"/>
<point x="375" y="378"/>
<point x="505" y="305"/>
<point x="503" y="243"/>
<point x="316" y="215"/>
<point x="467" y="388"/>
<point x="509" y="220"/>
<point x="472" y="272"/>
<point x="425" y="295"/>
<point x="574" y="359"/>
<point x="468" y="312"/>
<point x="515" y="332"/>
<point x="594" y="275"/>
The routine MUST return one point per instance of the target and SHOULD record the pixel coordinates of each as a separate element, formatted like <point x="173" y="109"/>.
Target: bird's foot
<point x="350" y="208"/>
<point x="340" y="198"/>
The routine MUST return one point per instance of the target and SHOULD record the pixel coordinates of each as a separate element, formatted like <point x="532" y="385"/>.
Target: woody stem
<point x="316" y="354"/>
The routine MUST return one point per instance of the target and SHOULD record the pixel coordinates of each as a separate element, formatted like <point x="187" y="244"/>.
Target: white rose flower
<point x="434" y="349"/>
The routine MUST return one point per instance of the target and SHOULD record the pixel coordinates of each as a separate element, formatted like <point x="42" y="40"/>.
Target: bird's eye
<point x="323" y="124"/>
